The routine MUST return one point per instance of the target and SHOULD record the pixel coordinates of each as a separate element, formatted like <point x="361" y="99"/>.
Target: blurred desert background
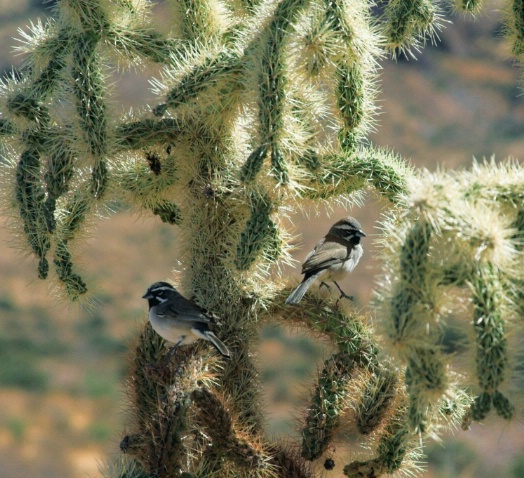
<point x="62" y="369"/>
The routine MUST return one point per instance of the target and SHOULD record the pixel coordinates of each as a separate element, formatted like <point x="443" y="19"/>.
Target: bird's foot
<point x="171" y="352"/>
<point x="325" y="285"/>
<point x="343" y="295"/>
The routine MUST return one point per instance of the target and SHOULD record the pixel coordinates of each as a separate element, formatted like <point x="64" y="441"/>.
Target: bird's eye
<point x="160" y="292"/>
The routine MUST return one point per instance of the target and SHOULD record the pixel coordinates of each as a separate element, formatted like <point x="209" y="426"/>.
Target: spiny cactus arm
<point x="514" y="24"/>
<point x="37" y="195"/>
<point x="48" y="47"/>
<point x="327" y="405"/>
<point x="214" y="55"/>
<point x="57" y="179"/>
<point x="409" y="23"/>
<point x="161" y="398"/>
<point x="88" y="15"/>
<point x="357" y="360"/>
<point x="288" y="462"/>
<point x="426" y="381"/>
<point x="381" y="387"/>
<point x="393" y="450"/>
<point x="30" y="199"/>
<point x="74" y="285"/>
<point x="254" y="163"/>
<point x="23" y="105"/>
<point x="411" y="317"/>
<point x="495" y="182"/>
<point x="247" y="452"/>
<point x="122" y="27"/>
<point x="355" y="67"/>
<point x="42" y="189"/>
<point x="397" y="446"/>
<point x="159" y="415"/>
<point x="460" y="229"/>
<point x="216" y="66"/>
<point x="351" y="103"/>
<point x="142" y="42"/>
<point x="260" y="234"/>
<point x="413" y="287"/>
<point x="70" y="219"/>
<point x="52" y="50"/>
<point x="330" y="46"/>
<point x="380" y="170"/>
<point x="272" y="84"/>
<point x="148" y="132"/>
<point x="337" y="47"/>
<point x="91" y="107"/>
<point x="205" y="20"/>
<point x="488" y="290"/>
<point x="127" y="30"/>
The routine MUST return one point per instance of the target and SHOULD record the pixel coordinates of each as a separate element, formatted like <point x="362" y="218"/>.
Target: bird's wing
<point x="312" y="252"/>
<point x="184" y="309"/>
<point x="326" y="253"/>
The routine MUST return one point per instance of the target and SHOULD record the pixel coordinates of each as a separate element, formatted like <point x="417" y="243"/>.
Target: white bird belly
<point x="168" y="330"/>
<point x="339" y="271"/>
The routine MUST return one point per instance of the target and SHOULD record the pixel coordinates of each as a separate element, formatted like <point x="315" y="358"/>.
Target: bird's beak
<point x="361" y="234"/>
<point x="147" y="295"/>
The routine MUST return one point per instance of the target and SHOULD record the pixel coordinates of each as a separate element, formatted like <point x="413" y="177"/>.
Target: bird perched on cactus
<point x="178" y="319"/>
<point x="334" y="256"/>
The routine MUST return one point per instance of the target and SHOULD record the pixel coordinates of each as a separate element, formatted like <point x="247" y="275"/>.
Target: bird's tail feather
<point x="296" y="296"/>
<point x="219" y="345"/>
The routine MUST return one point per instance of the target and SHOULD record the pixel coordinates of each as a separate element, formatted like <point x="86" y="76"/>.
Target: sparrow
<point x="180" y="320"/>
<point x="334" y="256"/>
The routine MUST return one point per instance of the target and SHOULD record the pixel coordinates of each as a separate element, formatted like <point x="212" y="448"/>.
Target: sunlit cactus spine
<point x="264" y="107"/>
<point x="409" y="23"/>
<point x="514" y="23"/>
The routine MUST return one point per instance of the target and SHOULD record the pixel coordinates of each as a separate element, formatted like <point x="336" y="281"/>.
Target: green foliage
<point x="453" y="459"/>
<point x="99" y="432"/>
<point x="517" y="468"/>
<point x="20" y="368"/>
<point x="264" y="107"/>
<point x="17" y="427"/>
<point x="19" y="372"/>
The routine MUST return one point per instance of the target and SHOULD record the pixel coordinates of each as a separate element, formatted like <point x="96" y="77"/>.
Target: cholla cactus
<point x="457" y="247"/>
<point x="264" y="106"/>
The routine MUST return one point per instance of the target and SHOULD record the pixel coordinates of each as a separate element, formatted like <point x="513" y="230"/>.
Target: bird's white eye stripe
<point x="156" y="289"/>
<point x="346" y="227"/>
